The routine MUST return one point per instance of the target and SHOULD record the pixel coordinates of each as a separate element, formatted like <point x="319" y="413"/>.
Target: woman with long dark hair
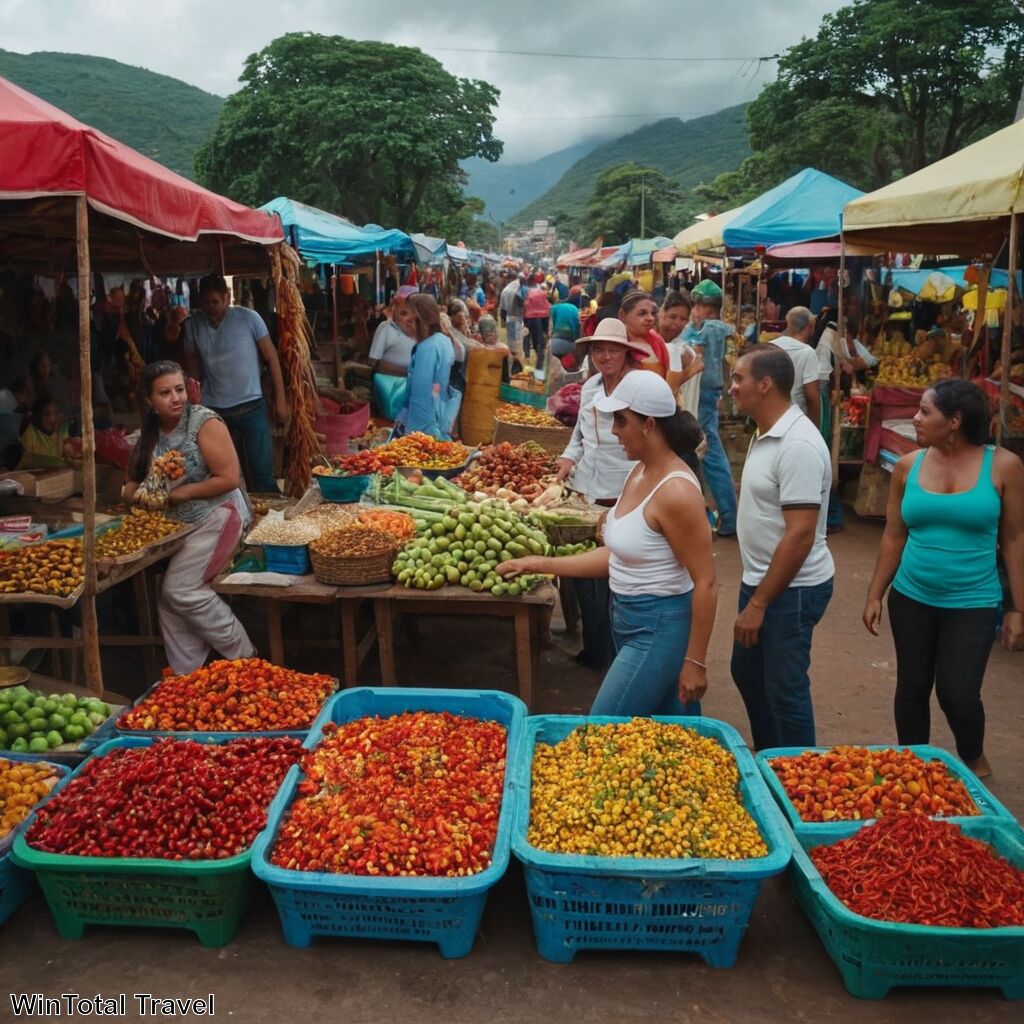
<point x="639" y="312"/>
<point x="193" y="619"/>
<point x="657" y="556"/>
<point x="950" y="505"/>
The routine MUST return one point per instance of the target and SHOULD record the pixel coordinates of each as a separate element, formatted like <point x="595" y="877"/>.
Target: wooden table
<point x="306" y="591"/>
<point x="530" y="614"/>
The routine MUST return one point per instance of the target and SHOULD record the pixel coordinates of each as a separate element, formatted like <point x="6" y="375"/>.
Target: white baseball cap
<point x="643" y="392"/>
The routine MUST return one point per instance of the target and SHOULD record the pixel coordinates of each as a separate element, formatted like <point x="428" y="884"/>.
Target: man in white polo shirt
<point x="787" y="567"/>
<point x="796" y="343"/>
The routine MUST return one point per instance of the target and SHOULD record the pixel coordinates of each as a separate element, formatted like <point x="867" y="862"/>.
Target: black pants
<point x="947" y="648"/>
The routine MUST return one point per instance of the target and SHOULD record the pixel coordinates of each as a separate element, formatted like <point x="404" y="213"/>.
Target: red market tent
<point x="73" y="200"/>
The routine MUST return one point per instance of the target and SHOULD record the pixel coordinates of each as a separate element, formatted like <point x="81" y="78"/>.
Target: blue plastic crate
<point x="445" y="911"/>
<point x="689" y="905"/>
<point x="15" y="882"/>
<point x="875" y="956"/>
<point x="292" y="559"/>
<point x="343" y="489"/>
<point x="520" y="396"/>
<point x="201" y="737"/>
<point x="988" y="805"/>
<point x="208" y="897"/>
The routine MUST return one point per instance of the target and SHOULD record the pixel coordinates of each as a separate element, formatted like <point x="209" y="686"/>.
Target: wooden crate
<point x="44" y="483"/>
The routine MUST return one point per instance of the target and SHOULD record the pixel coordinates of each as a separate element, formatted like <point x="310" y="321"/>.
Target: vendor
<point x="393" y="340"/>
<point x="194" y="620"/>
<point x="598" y="465"/>
<point x="44" y="441"/>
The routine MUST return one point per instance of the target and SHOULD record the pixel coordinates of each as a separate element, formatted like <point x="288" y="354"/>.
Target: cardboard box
<point x="44" y="483"/>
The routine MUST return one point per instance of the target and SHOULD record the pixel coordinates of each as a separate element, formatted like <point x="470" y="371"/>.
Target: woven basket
<point x="552" y="439"/>
<point x="353" y="570"/>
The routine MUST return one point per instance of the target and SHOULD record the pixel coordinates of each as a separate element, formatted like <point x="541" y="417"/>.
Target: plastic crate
<point x="686" y="905"/>
<point x="520" y="396"/>
<point x="988" y="805"/>
<point x="292" y="559"/>
<point x="343" y="489"/>
<point x="205" y="897"/>
<point x="15" y="882"/>
<point x="874" y="956"/>
<point x="205" y="737"/>
<point x="445" y="911"/>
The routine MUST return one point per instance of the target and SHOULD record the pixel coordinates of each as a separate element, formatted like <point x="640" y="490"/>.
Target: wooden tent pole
<point x="1004" y="355"/>
<point x="835" y="397"/>
<point x="90" y="626"/>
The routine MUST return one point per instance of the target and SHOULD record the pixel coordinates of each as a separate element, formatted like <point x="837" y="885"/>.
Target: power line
<point x="600" y="56"/>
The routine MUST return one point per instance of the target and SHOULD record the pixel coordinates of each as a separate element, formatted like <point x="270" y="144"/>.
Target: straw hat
<point x="614" y="330"/>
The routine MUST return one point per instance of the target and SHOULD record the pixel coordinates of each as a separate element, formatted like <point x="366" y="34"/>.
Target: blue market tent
<point x="322" y="237"/>
<point x="914" y="280"/>
<point x="808" y="205"/>
<point x="429" y="249"/>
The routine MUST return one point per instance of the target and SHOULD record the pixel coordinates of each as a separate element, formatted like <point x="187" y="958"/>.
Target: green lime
<point x="56" y="721"/>
<point x="11" y="717"/>
<point x="21" y="706"/>
<point x="34" y="714"/>
<point x="54" y="738"/>
<point x="78" y="718"/>
<point x="20" y="745"/>
<point x="73" y="732"/>
<point x="69" y="699"/>
<point x="50" y="705"/>
<point x="38" y="745"/>
<point x="17" y="729"/>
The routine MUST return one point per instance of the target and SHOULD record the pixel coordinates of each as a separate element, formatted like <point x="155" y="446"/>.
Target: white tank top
<point x="641" y="560"/>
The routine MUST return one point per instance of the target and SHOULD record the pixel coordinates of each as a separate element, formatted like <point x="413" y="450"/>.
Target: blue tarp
<point x="803" y="207"/>
<point x="429" y="249"/>
<point x="913" y="280"/>
<point x="322" y="237"/>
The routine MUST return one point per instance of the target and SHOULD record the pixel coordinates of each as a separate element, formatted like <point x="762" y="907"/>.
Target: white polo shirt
<point x="788" y="465"/>
<point x="805" y="367"/>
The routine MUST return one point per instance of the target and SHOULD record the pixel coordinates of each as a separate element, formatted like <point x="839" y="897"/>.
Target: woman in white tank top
<point x="657" y="557"/>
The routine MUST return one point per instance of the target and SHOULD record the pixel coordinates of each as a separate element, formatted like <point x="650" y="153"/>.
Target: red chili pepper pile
<point x="245" y="695"/>
<point x="372" y="460"/>
<point x="175" y="800"/>
<point x="913" y="870"/>
<point x="415" y="794"/>
<point x="854" y="784"/>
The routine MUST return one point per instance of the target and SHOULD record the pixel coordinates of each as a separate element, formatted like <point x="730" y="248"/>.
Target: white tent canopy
<point x="705" y="234"/>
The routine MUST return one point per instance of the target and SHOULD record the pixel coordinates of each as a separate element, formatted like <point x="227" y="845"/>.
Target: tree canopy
<point x="614" y="207"/>
<point x="884" y="89"/>
<point x="363" y="129"/>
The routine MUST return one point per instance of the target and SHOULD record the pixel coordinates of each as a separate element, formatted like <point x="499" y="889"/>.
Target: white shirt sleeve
<point x="379" y="346"/>
<point x="808" y="368"/>
<point x="801" y="470"/>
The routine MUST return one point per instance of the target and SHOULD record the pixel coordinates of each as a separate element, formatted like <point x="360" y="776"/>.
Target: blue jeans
<point x="717" y="470"/>
<point x="650" y="635"/>
<point x="772" y="675"/>
<point x="594" y="598"/>
<point x="250" y="430"/>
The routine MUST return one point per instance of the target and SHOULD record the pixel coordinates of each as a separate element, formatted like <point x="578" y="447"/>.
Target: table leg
<point x="144" y="612"/>
<point x="385" y="640"/>
<point x="275" y="631"/>
<point x="5" y="632"/>
<point x="524" y="654"/>
<point x="56" y="661"/>
<point x="349" y="641"/>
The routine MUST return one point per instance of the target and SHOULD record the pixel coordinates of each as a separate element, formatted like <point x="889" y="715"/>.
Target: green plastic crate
<point x="520" y="396"/>
<point x="875" y="956"/>
<point x="205" y="897"/>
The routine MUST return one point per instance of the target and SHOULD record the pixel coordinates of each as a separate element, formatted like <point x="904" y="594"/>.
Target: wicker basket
<point x="353" y="572"/>
<point x="552" y="439"/>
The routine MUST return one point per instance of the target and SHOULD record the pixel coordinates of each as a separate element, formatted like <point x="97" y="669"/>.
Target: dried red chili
<point x="415" y="794"/>
<point x="911" y="869"/>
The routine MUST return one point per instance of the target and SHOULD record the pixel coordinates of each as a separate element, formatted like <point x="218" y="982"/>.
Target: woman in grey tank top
<point x="194" y="620"/>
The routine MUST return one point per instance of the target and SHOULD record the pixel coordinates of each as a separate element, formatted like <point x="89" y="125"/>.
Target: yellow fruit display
<point x="22" y="786"/>
<point x="909" y="372"/>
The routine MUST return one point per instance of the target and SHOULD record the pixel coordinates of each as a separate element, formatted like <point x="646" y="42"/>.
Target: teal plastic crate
<point x="691" y="905"/>
<point x="208" y="898"/>
<point x="444" y="911"/>
<point x="875" y="956"/>
<point x="988" y="805"/>
<point x="343" y="489"/>
<point x="291" y="559"/>
<point x="15" y="882"/>
<point x="520" y="396"/>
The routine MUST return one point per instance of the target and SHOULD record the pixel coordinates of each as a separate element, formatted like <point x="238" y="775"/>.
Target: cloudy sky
<point x="546" y="102"/>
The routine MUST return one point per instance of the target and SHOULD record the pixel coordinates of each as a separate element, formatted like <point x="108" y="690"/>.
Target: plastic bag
<point x="113" y="448"/>
<point x="565" y="404"/>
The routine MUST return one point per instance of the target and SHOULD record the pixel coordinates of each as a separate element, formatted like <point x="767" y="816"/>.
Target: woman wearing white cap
<point x="657" y="557"/>
<point x="598" y="466"/>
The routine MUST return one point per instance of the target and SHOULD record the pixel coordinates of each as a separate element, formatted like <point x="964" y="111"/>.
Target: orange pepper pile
<point x="245" y="695"/>
<point x="424" y="452"/>
<point x="398" y="524"/>
<point x="853" y="784"/>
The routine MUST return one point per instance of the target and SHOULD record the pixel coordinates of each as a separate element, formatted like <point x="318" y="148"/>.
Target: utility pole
<point x="643" y="209"/>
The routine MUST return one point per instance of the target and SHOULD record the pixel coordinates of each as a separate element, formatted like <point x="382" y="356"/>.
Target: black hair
<point x="773" y="362"/>
<point x="19" y="384"/>
<point x="142" y="453"/>
<point x="632" y="297"/>
<point x="955" y="395"/>
<point x="674" y="298"/>
<point x="213" y="283"/>
<point x="39" y="407"/>
<point x="703" y="299"/>
<point x="683" y="435"/>
<point x="36" y="360"/>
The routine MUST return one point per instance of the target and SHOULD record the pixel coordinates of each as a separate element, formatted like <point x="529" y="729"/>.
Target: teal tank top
<point x="949" y="560"/>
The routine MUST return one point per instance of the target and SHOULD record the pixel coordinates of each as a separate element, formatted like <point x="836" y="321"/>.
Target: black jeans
<point x="947" y="648"/>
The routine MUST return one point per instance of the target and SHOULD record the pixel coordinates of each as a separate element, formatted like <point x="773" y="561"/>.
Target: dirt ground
<point x="782" y="973"/>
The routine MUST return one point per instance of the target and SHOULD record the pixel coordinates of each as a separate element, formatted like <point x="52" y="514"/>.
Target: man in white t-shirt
<point x="795" y="343"/>
<point x="787" y="567"/>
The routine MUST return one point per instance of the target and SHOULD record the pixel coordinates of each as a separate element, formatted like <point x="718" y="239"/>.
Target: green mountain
<point x="507" y="187"/>
<point x="690" y="152"/>
<point x="160" y="116"/>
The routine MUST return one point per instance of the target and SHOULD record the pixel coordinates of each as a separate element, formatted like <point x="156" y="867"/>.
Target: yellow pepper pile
<point x="22" y="786"/>
<point x="640" y="789"/>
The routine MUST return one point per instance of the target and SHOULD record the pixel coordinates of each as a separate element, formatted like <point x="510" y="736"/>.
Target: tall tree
<point x="614" y="208"/>
<point x="358" y="128"/>
<point x="884" y="89"/>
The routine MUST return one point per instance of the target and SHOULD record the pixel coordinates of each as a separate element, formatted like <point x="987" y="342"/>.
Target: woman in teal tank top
<point x="950" y="507"/>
